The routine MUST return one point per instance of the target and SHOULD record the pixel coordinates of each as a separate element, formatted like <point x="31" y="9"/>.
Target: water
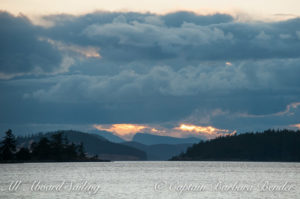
<point x="143" y="180"/>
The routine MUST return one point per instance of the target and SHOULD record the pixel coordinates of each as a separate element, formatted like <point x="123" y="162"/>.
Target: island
<point x="270" y="145"/>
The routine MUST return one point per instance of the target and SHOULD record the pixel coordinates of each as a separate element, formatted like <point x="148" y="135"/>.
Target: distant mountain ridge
<point x="160" y="151"/>
<point x="111" y="147"/>
<point x="150" y="139"/>
<point x="94" y="145"/>
<point x="108" y="135"/>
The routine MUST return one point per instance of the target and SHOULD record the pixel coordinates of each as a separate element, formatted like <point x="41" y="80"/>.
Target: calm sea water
<point x="150" y="180"/>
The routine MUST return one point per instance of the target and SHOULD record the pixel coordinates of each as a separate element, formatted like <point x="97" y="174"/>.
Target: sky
<point x="176" y="68"/>
<point x="265" y="8"/>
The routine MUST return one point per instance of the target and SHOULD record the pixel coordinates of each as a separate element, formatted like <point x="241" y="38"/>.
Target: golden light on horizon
<point x="154" y="130"/>
<point x="202" y="129"/>
<point x="127" y="131"/>
<point x="208" y="132"/>
<point x="124" y="130"/>
<point x="296" y="125"/>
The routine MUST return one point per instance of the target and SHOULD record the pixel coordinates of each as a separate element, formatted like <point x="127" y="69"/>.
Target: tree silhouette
<point x="57" y="146"/>
<point x="270" y="145"/>
<point x="23" y="154"/>
<point x="41" y="150"/>
<point x="8" y="146"/>
<point x="57" y="149"/>
<point x="81" y="151"/>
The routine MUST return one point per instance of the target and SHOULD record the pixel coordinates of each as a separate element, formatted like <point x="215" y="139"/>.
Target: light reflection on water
<point x="151" y="180"/>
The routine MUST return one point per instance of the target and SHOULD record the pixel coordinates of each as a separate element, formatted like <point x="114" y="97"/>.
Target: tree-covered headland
<point x="57" y="148"/>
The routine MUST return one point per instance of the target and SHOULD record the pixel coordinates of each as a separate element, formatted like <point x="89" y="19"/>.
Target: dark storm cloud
<point x="176" y="39"/>
<point x="162" y="94"/>
<point x="147" y="68"/>
<point x="21" y="50"/>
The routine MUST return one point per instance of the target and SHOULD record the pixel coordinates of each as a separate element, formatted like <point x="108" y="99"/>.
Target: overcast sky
<point x="153" y="70"/>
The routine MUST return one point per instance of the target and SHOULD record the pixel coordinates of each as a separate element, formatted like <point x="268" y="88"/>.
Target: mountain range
<point x="94" y="145"/>
<point x="150" y="139"/>
<point x="160" y="151"/>
<point x="111" y="147"/>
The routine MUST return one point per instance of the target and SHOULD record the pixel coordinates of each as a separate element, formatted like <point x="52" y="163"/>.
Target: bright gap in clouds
<point x="127" y="131"/>
<point x="193" y="128"/>
<point x="208" y="132"/>
<point x="296" y="126"/>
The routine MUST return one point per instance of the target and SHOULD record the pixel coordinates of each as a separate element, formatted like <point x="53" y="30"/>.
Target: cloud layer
<point x="132" y="68"/>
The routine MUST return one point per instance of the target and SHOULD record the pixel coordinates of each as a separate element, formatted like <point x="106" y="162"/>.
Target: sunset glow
<point x="154" y="130"/>
<point x="167" y="68"/>
<point x="208" y="132"/>
<point x="127" y="131"/>
<point x="203" y="129"/>
<point x="296" y="125"/>
<point x="124" y="130"/>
